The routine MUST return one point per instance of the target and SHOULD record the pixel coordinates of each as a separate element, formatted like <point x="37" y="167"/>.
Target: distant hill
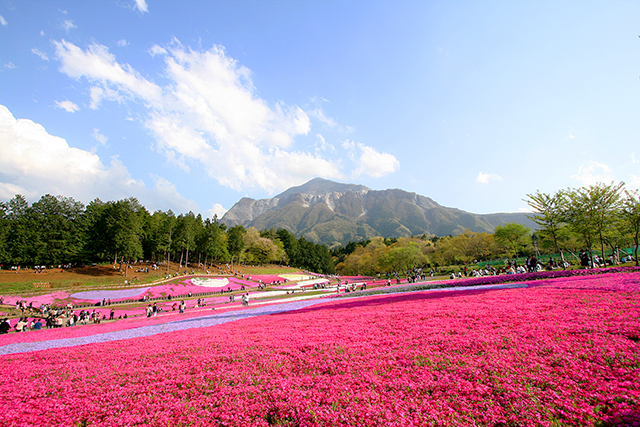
<point x="333" y="213"/>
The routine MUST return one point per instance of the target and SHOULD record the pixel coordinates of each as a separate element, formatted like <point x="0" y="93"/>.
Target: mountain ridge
<point x="334" y="213"/>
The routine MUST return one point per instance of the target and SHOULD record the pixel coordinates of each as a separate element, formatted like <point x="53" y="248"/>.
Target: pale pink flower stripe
<point x="266" y="278"/>
<point x="182" y="287"/>
<point x="556" y="354"/>
<point x="135" y="318"/>
<point x="179" y="287"/>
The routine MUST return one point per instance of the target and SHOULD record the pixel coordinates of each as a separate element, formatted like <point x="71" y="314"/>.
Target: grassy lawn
<point x="30" y="283"/>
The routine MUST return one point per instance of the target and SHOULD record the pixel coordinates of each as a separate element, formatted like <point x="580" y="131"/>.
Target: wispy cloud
<point x="99" y="66"/>
<point x="141" y="5"/>
<point x="3" y="21"/>
<point x="594" y="173"/>
<point x="157" y="50"/>
<point x="122" y="43"/>
<point x="370" y="161"/>
<point x="322" y="146"/>
<point x="68" y="106"/>
<point x="99" y="137"/>
<point x="40" y="53"/>
<point x="486" y="178"/>
<point x="68" y="25"/>
<point x="9" y="65"/>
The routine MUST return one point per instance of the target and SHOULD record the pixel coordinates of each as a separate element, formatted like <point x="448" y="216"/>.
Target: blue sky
<point x="192" y="105"/>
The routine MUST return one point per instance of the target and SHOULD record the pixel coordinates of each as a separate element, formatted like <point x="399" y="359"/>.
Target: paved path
<point x="204" y="321"/>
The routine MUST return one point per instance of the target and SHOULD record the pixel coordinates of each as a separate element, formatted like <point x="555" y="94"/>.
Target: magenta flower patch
<point x="560" y="352"/>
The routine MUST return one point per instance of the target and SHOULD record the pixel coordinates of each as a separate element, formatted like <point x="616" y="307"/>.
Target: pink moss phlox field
<point x="136" y="317"/>
<point x="37" y="300"/>
<point x="542" y="275"/>
<point x="176" y="288"/>
<point x="265" y="278"/>
<point x="565" y="353"/>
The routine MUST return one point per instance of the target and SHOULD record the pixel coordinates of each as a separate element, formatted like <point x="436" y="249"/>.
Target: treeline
<point x="601" y="217"/>
<point x="57" y="230"/>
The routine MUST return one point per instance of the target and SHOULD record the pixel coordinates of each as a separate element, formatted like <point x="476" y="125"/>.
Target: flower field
<point x="560" y="352"/>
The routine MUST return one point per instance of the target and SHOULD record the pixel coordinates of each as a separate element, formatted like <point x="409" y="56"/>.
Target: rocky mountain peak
<point x="335" y="213"/>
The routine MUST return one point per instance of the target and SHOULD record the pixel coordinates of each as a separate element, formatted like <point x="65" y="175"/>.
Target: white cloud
<point x="370" y="161"/>
<point x="209" y="115"/>
<point x="33" y="163"/>
<point x="319" y="114"/>
<point x="99" y="137"/>
<point x="157" y="50"/>
<point x="216" y="209"/>
<point x="322" y="145"/>
<point x="68" y="25"/>
<point x="122" y="43"/>
<point x="633" y="158"/>
<point x="167" y="192"/>
<point x="97" y="94"/>
<point x="40" y="53"/>
<point x="634" y="183"/>
<point x="141" y="5"/>
<point x="98" y="65"/>
<point x="9" y="65"/>
<point x="331" y="123"/>
<point x="485" y="178"/>
<point x="3" y="21"/>
<point x="593" y="174"/>
<point x="350" y="147"/>
<point x="68" y="106"/>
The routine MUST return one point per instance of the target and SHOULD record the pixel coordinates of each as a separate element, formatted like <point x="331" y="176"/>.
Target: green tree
<point x="515" y="237"/>
<point x="122" y="222"/>
<point x="213" y="240"/>
<point x="235" y="242"/>
<point x="481" y="246"/>
<point x="5" y="227"/>
<point x="290" y="245"/>
<point x="96" y="246"/>
<point x="405" y="255"/>
<point x="21" y="232"/>
<point x="453" y="249"/>
<point x="166" y="235"/>
<point x="591" y="212"/>
<point x="186" y="232"/>
<point x="631" y="214"/>
<point x="61" y="231"/>
<point x="549" y="214"/>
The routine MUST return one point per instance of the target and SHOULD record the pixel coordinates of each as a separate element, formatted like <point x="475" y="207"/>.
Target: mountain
<point x="333" y="213"/>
